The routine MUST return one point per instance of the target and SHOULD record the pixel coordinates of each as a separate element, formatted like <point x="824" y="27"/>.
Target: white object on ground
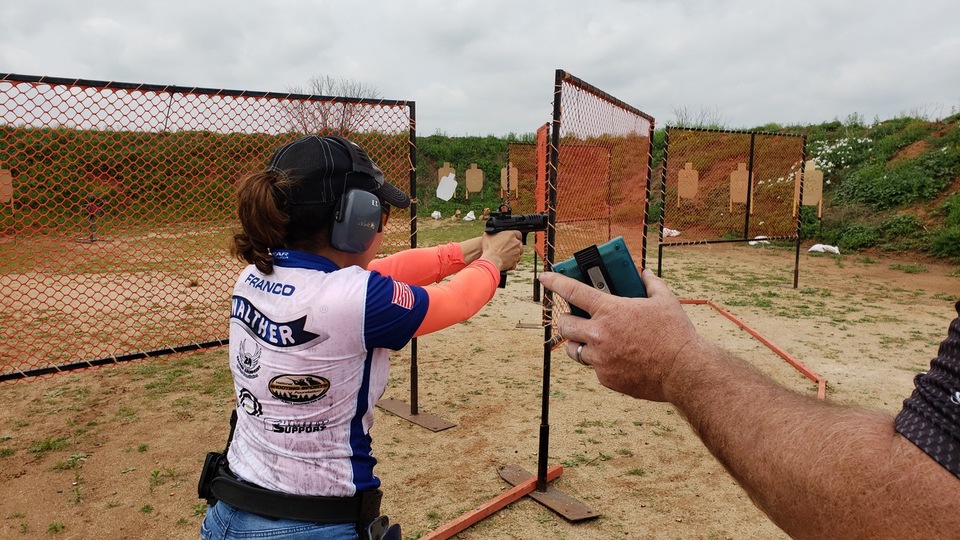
<point x="447" y="187"/>
<point x="436" y="214"/>
<point x="823" y="248"/>
<point x="758" y="240"/>
<point x="670" y="232"/>
<point x="470" y="216"/>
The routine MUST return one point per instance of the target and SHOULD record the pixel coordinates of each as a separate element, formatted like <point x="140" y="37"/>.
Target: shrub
<point x="900" y="226"/>
<point x="810" y="224"/>
<point x="851" y="236"/>
<point x="834" y="157"/>
<point x="893" y="135"/>
<point x="950" y="209"/>
<point x="770" y="127"/>
<point x="908" y="181"/>
<point x="945" y="242"/>
<point x="656" y="210"/>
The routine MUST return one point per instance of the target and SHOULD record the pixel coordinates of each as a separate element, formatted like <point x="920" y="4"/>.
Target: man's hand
<point x="633" y="343"/>
<point x="819" y="470"/>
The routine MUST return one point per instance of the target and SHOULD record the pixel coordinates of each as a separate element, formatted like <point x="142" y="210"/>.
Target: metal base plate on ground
<point x="521" y="324"/>
<point x="552" y="498"/>
<point x="92" y="240"/>
<point x="427" y="420"/>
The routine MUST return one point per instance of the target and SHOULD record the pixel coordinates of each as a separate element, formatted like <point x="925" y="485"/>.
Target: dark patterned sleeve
<point x="930" y="417"/>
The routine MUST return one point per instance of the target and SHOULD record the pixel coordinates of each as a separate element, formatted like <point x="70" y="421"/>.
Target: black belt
<point x="359" y="509"/>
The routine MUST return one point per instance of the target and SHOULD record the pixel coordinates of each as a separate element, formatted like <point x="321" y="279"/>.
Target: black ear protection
<point x="357" y="218"/>
<point x="356" y="221"/>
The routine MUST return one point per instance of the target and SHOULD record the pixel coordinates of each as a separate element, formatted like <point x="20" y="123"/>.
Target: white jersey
<point x="309" y="355"/>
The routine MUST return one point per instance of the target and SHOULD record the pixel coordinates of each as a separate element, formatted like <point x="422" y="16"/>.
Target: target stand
<point x="411" y="413"/>
<point x="551" y="497"/>
<point x="524" y="484"/>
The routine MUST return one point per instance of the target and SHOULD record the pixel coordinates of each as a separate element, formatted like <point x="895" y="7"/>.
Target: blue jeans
<point x="224" y="522"/>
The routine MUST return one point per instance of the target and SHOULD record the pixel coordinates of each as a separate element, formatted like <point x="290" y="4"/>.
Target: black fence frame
<point x="553" y="160"/>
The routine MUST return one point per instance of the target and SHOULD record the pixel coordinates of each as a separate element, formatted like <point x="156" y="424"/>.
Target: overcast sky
<point x="484" y="67"/>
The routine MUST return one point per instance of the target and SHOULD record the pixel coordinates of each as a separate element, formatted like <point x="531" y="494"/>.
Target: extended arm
<point x="423" y="266"/>
<point x="818" y="470"/>
<point x="468" y="291"/>
<point x="460" y="298"/>
<point x="396" y="311"/>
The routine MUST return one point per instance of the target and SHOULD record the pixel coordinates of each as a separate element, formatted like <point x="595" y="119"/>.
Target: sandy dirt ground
<point x="116" y="452"/>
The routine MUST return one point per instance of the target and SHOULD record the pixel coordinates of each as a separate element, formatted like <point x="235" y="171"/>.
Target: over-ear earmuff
<point x="356" y="221"/>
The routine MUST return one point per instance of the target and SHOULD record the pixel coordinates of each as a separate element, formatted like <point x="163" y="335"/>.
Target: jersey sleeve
<point x="393" y="312"/>
<point x="421" y="266"/>
<point x="461" y="297"/>
<point x="930" y="418"/>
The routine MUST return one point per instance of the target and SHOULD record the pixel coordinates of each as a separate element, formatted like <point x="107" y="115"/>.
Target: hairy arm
<point x="818" y="470"/>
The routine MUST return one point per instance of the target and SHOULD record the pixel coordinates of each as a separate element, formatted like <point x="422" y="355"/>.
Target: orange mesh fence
<point x="531" y="163"/>
<point x="523" y="156"/>
<point x="729" y="185"/>
<point x="598" y="172"/>
<point x="114" y="237"/>
<point x="777" y="164"/>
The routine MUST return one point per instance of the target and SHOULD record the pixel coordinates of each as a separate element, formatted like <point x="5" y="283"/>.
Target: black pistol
<point x="504" y="220"/>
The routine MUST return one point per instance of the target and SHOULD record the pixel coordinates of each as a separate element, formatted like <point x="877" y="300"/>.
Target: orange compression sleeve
<point x="421" y="266"/>
<point x="460" y="298"/>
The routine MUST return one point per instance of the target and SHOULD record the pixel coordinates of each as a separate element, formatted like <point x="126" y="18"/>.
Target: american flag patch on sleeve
<point x="402" y="295"/>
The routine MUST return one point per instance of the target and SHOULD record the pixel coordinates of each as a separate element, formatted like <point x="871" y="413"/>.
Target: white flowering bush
<point x="840" y="154"/>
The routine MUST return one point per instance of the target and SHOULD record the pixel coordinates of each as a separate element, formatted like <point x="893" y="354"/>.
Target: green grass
<point x="72" y="463"/>
<point x="910" y="268"/>
<point x="575" y="460"/>
<point x="449" y="231"/>
<point x="126" y="415"/>
<point x="41" y="447"/>
<point x="159" y="478"/>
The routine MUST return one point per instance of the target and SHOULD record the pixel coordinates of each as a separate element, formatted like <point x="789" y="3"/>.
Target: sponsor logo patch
<point x="293" y="426"/>
<point x="402" y="295"/>
<point x="248" y="403"/>
<point x="298" y="388"/>
<point x="249" y="364"/>
<point x="276" y="333"/>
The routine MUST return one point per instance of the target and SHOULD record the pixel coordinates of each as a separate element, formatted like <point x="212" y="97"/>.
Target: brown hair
<point x="268" y="223"/>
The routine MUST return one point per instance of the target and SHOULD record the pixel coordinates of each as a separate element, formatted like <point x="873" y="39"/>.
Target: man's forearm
<point x="818" y="470"/>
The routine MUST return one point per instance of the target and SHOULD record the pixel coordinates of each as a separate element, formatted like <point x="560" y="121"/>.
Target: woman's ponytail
<point x="260" y="201"/>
